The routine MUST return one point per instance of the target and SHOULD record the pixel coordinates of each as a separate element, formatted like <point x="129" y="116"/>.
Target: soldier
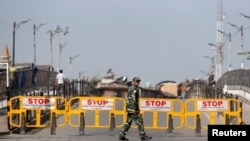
<point x="133" y="112"/>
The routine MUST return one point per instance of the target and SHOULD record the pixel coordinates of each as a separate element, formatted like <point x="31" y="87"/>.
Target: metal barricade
<point x="211" y="111"/>
<point x="96" y="112"/>
<point x="30" y="110"/>
<point x="110" y="112"/>
<point x="160" y="113"/>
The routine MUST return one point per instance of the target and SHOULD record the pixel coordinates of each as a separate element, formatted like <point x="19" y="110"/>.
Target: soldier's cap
<point x="136" y="79"/>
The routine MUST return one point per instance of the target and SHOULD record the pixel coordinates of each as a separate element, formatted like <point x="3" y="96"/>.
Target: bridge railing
<point x="24" y="81"/>
<point x="201" y="89"/>
<point x="238" y="77"/>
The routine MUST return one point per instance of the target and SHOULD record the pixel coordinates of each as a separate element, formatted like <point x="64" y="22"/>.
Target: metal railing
<point x="23" y="82"/>
<point x="238" y="77"/>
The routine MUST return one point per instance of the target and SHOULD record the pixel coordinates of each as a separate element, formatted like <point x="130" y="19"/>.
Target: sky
<point x="156" y="40"/>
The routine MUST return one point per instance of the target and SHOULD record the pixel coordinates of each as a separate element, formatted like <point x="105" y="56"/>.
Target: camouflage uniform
<point x="132" y="105"/>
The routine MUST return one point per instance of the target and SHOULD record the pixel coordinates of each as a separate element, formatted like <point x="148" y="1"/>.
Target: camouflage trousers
<point x="138" y="120"/>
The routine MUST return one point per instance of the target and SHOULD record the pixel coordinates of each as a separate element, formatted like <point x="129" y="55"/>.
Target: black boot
<point x="123" y="138"/>
<point x="145" y="137"/>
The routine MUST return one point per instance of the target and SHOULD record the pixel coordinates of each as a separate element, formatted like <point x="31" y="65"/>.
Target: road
<point x="71" y="134"/>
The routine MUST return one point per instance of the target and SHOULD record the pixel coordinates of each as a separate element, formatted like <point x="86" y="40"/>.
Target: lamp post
<point x="80" y="74"/>
<point x="245" y="16"/>
<point x="204" y="72"/>
<point x="61" y="47"/>
<point x="218" y="66"/>
<point x="229" y="49"/>
<point x="58" y="31"/>
<point x="36" y="28"/>
<point x="15" y="27"/>
<point x="242" y="49"/>
<point x="212" y="67"/>
<point x="80" y="77"/>
<point x="70" y="60"/>
<point x="51" y="32"/>
<point x="248" y="17"/>
<point x="245" y="53"/>
<point x="66" y="31"/>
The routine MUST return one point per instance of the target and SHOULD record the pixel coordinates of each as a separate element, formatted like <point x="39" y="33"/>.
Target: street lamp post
<point x="242" y="49"/>
<point x="51" y="32"/>
<point x="36" y="28"/>
<point x="80" y="74"/>
<point x="229" y="49"/>
<point x="248" y="17"/>
<point x="218" y="67"/>
<point x="58" y="31"/>
<point x="70" y="60"/>
<point x="212" y="67"/>
<point x="15" y="27"/>
<point x="204" y="72"/>
<point x="61" y="47"/>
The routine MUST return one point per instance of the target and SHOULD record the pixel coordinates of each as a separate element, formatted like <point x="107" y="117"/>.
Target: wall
<point x="170" y="88"/>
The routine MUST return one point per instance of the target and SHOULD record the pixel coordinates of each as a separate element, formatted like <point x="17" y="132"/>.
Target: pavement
<point x="72" y="134"/>
<point x="246" y="113"/>
<point x="3" y="122"/>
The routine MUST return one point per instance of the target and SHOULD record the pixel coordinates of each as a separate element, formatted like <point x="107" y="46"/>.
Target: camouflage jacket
<point x="132" y="99"/>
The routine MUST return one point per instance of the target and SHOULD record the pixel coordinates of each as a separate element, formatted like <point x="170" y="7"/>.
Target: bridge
<point x="68" y="122"/>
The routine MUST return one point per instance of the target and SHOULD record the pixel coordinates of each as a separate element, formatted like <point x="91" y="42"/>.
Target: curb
<point x="4" y="133"/>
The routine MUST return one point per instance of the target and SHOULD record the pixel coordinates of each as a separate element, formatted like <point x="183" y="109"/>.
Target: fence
<point x="24" y="81"/>
<point x="110" y="112"/>
<point x="238" y="77"/>
<point x="200" y="89"/>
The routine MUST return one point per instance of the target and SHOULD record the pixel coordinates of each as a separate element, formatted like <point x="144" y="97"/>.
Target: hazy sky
<point x="156" y="40"/>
